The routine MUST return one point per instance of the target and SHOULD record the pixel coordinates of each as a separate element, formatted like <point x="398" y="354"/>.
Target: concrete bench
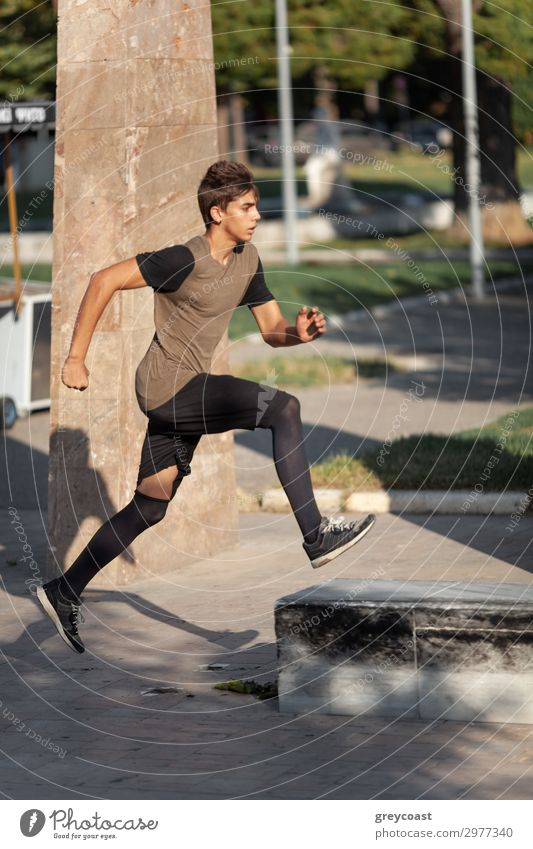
<point x="408" y="649"/>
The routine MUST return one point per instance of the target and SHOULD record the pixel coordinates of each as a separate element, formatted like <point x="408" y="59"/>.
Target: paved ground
<point x="101" y="737"/>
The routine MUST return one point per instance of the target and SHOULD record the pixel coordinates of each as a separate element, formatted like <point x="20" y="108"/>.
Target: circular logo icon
<point x="32" y="822"/>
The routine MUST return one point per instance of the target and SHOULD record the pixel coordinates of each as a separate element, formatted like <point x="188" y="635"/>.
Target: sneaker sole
<point x="327" y="558"/>
<point x="49" y="609"/>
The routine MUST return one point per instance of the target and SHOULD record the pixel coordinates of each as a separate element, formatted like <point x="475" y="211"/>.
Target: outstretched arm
<point x="278" y="332"/>
<point x="102" y="286"/>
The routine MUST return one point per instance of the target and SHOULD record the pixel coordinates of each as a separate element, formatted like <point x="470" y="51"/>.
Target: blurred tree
<point x="244" y="44"/>
<point x="353" y="41"/>
<point x="325" y="40"/>
<point x="522" y="110"/>
<point x="245" y="63"/>
<point x="504" y="49"/>
<point x="27" y="50"/>
<point x="349" y="44"/>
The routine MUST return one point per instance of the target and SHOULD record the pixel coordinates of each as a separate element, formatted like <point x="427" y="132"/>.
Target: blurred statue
<point x="323" y="168"/>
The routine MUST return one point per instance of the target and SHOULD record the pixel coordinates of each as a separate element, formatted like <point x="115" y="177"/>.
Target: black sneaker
<point x="334" y="537"/>
<point x="63" y="612"/>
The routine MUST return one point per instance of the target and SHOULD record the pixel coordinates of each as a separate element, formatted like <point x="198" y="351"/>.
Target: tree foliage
<point x="503" y="32"/>
<point x="356" y="40"/>
<point x="244" y="44"/>
<point x="27" y="50"/>
<point x="503" y="52"/>
<point x="504" y="38"/>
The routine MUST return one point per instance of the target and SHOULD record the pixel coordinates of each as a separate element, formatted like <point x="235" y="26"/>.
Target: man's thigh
<point x="215" y="403"/>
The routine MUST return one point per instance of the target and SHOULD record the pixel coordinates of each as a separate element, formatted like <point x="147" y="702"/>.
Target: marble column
<point x="136" y="130"/>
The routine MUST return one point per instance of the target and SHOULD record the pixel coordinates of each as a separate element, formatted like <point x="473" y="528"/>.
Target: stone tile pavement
<point x="74" y="727"/>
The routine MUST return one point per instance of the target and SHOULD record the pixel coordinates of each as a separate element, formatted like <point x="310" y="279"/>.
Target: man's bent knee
<point x="292" y="409"/>
<point x="161" y="485"/>
<point x="152" y="510"/>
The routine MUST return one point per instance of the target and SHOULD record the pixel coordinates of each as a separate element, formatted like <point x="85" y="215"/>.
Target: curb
<point x="395" y="501"/>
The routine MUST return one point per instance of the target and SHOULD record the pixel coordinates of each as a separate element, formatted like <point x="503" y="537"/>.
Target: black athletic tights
<point x="143" y="511"/>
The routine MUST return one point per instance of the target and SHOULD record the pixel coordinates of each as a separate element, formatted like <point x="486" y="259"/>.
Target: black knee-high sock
<point x="111" y="539"/>
<point x="293" y="469"/>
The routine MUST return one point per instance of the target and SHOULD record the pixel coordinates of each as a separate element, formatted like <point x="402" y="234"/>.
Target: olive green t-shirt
<point x="194" y="298"/>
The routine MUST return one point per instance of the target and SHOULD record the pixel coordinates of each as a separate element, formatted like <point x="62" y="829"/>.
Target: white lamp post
<point x="473" y="169"/>
<point x="290" y="203"/>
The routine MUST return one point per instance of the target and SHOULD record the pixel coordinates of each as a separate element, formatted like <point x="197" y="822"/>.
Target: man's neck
<point x="220" y="243"/>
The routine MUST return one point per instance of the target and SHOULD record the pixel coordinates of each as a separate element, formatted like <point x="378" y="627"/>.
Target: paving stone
<point x="219" y="731"/>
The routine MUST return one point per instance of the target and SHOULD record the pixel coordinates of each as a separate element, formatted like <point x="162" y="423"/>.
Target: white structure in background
<point x="323" y="168"/>
<point x="322" y="171"/>
<point x="25" y="354"/>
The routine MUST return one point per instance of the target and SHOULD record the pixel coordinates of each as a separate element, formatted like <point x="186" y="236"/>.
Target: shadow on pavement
<point x="321" y="441"/>
<point x="13" y="584"/>
<point x="23" y="475"/>
<point x="482" y="350"/>
<point x="515" y="548"/>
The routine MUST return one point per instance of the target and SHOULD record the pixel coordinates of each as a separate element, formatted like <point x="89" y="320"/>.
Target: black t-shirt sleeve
<point x="257" y="292"/>
<point x="166" y="269"/>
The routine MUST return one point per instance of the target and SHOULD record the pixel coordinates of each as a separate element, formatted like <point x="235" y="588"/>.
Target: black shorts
<point x="209" y="403"/>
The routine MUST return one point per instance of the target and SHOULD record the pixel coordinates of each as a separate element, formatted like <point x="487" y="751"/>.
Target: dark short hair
<point x="223" y="182"/>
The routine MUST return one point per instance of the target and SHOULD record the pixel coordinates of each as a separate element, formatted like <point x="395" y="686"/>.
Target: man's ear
<point x="214" y="214"/>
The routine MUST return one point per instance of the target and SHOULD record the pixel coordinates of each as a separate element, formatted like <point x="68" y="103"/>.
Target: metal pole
<point x="290" y="203"/>
<point x="12" y="212"/>
<point x="473" y="169"/>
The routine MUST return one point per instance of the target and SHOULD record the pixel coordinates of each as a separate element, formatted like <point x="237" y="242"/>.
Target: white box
<point x="25" y="349"/>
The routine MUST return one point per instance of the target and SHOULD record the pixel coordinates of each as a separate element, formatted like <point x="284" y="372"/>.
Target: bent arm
<point x="278" y="332"/>
<point x="102" y="286"/>
<point x="283" y="335"/>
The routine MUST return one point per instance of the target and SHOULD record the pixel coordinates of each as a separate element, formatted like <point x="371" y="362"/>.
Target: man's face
<point x="240" y="218"/>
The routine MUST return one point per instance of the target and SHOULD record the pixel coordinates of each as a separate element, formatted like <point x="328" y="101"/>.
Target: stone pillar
<point x="137" y="128"/>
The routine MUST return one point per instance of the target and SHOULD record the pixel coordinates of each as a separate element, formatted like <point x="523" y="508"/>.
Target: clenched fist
<point x="75" y="374"/>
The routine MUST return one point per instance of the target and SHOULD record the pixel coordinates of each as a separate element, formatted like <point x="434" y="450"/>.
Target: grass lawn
<point x="311" y="371"/>
<point x="340" y="289"/>
<point x="489" y="457"/>
<point x="402" y="170"/>
<point x="41" y="272"/>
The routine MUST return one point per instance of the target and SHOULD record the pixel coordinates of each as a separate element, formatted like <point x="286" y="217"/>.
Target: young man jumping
<point x="197" y="285"/>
